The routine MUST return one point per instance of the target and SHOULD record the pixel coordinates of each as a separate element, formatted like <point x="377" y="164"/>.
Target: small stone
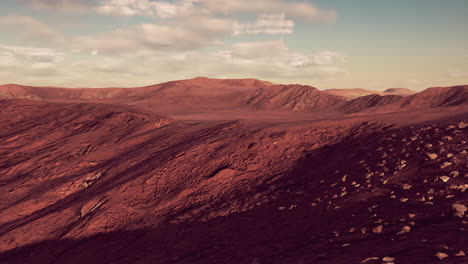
<point x="445" y="165"/>
<point x="411" y="216"/>
<point x="367" y="260"/>
<point x="404" y="230"/>
<point x="403" y="200"/>
<point x="388" y="259"/>
<point x="377" y="229"/>
<point x="462" y="125"/>
<point x="344" y="178"/>
<point x="432" y="156"/>
<point x="406" y="186"/>
<point x="444" y="178"/>
<point x="441" y="255"/>
<point x="460" y="254"/>
<point x="454" y="174"/>
<point x="459" y="210"/>
<point x="281" y="208"/>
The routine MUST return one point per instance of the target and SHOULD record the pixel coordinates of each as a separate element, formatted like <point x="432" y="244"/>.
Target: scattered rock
<point x="460" y="254"/>
<point x="281" y="208"/>
<point x="377" y="229"/>
<point x="445" y="165"/>
<point x="459" y="210"/>
<point x="388" y="259"/>
<point x="454" y="174"/>
<point x="368" y="260"/>
<point x="406" y="186"/>
<point x="462" y="125"/>
<point x="444" y="178"/>
<point x="404" y="230"/>
<point x="432" y="156"/>
<point x="441" y="255"/>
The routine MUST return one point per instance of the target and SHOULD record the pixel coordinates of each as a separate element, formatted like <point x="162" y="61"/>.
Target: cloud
<point x="278" y="51"/>
<point x="182" y="8"/>
<point x="259" y="49"/>
<point x="30" y="29"/>
<point x="37" y="62"/>
<point x="42" y="55"/>
<point x="270" y="60"/>
<point x="158" y="37"/>
<point x="268" y="24"/>
<point x="162" y="9"/>
<point x="457" y="73"/>
<point x="60" y="5"/>
<point x="294" y="9"/>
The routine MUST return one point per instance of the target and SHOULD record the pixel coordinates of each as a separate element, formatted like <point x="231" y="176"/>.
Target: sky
<point x="370" y="44"/>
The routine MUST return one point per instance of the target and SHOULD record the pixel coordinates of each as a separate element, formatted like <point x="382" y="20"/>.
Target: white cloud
<point x="295" y="9"/>
<point x="457" y="73"/>
<point x="31" y="62"/>
<point x="268" y="24"/>
<point x="162" y="9"/>
<point x="158" y="37"/>
<point x="269" y="60"/>
<point x="60" y="5"/>
<point x="277" y="50"/>
<point x="259" y="49"/>
<point x="183" y="8"/>
<point x="41" y="55"/>
<point x="30" y="29"/>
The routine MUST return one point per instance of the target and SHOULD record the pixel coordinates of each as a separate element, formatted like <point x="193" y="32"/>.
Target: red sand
<point x="139" y="176"/>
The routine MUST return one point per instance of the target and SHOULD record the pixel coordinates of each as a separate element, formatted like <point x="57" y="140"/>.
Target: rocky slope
<point x="204" y="94"/>
<point x="358" y="92"/>
<point x="112" y="183"/>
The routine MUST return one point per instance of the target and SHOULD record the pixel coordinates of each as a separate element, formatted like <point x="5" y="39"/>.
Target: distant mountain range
<point x="216" y="94"/>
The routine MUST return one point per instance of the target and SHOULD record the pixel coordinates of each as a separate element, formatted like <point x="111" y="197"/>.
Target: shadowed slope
<point x="92" y="183"/>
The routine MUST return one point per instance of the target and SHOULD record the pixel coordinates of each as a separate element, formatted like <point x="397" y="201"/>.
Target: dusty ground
<point x="97" y="182"/>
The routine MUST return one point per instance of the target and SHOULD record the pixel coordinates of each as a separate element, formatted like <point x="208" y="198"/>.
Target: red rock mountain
<point x="211" y="94"/>
<point x="355" y="93"/>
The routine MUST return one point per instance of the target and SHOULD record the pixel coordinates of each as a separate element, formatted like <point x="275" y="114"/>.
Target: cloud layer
<point x="168" y="40"/>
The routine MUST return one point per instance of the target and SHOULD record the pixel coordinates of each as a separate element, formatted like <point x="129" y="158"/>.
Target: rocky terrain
<point x="358" y="92"/>
<point x="117" y="176"/>
<point x="205" y="94"/>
